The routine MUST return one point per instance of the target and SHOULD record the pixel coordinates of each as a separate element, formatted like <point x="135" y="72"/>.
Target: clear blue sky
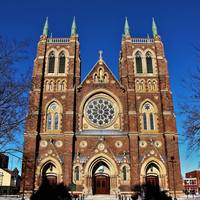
<point x="100" y="26"/>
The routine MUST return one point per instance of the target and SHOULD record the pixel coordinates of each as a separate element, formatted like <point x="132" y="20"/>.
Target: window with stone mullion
<point x="62" y="63"/>
<point x="51" y="64"/>
<point x="139" y="64"/>
<point x="149" y="64"/>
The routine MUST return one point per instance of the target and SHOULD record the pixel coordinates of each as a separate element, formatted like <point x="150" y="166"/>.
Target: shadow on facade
<point x="51" y="192"/>
<point x="149" y="192"/>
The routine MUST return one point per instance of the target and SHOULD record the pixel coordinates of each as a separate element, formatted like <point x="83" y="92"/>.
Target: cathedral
<point x="101" y="134"/>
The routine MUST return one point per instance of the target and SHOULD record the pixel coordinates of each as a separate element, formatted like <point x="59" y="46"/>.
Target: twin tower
<point x="102" y="135"/>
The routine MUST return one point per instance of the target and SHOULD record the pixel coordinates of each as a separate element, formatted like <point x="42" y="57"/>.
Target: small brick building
<point x="192" y="182"/>
<point x="102" y="134"/>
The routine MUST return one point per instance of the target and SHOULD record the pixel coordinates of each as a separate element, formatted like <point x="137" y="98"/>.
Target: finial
<point x="73" y="29"/>
<point x="46" y="27"/>
<point x="51" y="35"/>
<point x="126" y="28"/>
<point x="100" y="55"/>
<point x="148" y="36"/>
<point x="154" y="28"/>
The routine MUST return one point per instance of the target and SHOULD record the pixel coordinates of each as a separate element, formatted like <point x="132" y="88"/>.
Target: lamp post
<point x="174" y="185"/>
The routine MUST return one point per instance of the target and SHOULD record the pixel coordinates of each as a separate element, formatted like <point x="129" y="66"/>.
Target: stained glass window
<point x="151" y="121"/>
<point x="56" y="121"/>
<point x="100" y="111"/>
<point x="145" y="121"/>
<point x="49" y="121"/>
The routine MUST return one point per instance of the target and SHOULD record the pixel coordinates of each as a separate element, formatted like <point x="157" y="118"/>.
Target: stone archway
<point x="101" y="178"/>
<point x="101" y="168"/>
<point x="50" y="167"/>
<point x="154" y="171"/>
<point x="152" y="174"/>
<point x="50" y="173"/>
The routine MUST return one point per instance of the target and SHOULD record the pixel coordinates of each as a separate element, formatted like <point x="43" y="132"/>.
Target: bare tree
<point x="191" y="111"/>
<point x="13" y="90"/>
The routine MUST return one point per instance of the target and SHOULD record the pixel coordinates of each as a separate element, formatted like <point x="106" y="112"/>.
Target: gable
<point x="100" y="74"/>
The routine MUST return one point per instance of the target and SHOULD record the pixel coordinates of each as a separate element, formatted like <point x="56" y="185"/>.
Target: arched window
<point x="53" y="116"/>
<point x="145" y="121"/>
<point x="56" y="121"/>
<point x="49" y="121"/>
<point x="77" y="174"/>
<point x="61" y="63"/>
<point x="138" y="60"/>
<point x="149" y="63"/>
<point x="148" y="116"/>
<point x="51" y="67"/>
<point x="124" y="173"/>
<point x="151" y="121"/>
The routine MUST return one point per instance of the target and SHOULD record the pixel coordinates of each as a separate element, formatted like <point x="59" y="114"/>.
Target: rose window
<point x="100" y="112"/>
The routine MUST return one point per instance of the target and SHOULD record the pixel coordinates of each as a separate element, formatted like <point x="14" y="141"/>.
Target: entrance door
<point x="102" y="184"/>
<point x="152" y="180"/>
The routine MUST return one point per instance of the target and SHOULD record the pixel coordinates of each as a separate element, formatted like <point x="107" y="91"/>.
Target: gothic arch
<point x="54" y="100"/>
<point x="127" y="166"/>
<point x="80" y="173"/>
<point x="138" y="61"/>
<point x="50" y="50"/>
<point x="150" y="101"/>
<point x="150" y="51"/>
<point x="59" y="116"/>
<point x="88" y="120"/>
<point x="66" y="52"/>
<point x="138" y="50"/>
<point x="148" y="116"/>
<point x="97" y="158"/>
<point x="100" y="91"/>
<point x="41" y="166"/>
<point x="163" y="178"/>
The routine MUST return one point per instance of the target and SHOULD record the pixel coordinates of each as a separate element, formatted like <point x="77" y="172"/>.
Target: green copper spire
<point x="154" y="28"/>
<point x="73" y="29"/>
<point x="46" y="27"/>
<point x="126" y="28"/>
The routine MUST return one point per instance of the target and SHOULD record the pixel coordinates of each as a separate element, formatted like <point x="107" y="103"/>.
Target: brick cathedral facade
<point x="102" y="134"/>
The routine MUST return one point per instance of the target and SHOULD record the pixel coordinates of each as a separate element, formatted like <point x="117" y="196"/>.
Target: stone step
<point x="101" y="197"/>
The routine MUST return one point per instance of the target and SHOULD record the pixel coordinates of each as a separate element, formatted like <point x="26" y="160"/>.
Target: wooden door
<point x="101" y="184"/>
<point x="52" y="179"/>
<point x="152" y="180"/>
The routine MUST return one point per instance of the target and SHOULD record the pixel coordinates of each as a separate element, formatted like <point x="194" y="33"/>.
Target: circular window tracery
<point x="100" y="112"/>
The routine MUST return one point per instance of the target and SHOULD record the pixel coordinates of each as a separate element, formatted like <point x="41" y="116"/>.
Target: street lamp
<point x="174" y="185"/>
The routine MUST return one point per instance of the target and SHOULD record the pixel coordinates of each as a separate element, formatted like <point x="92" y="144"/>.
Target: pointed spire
<point x="73" y="29"/>
<point x="46" y="27"/>
<point x="154" y="28"/>
<point x="126" y="28"/>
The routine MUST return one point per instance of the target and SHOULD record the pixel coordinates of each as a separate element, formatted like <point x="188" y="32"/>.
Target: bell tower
<point x="49" y="127"/>
<point x="152" y="126"/>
